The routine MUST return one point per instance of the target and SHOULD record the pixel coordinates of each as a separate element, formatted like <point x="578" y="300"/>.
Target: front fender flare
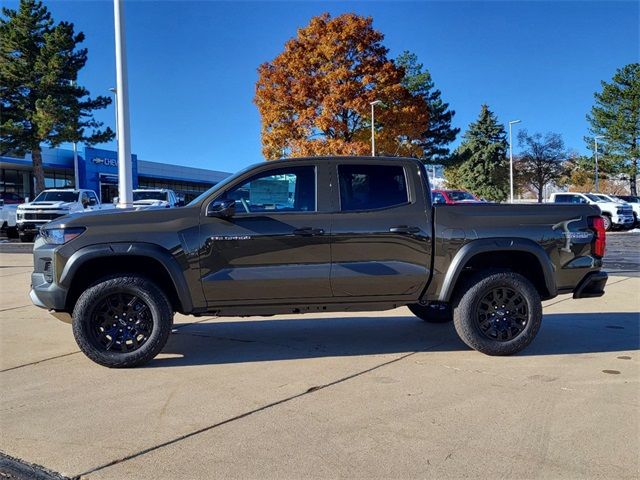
<point x="487" y="245"/>
<point x="155" y="252"/>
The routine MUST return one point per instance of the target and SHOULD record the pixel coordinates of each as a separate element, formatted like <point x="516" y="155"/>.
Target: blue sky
<point x="192" y="65"/>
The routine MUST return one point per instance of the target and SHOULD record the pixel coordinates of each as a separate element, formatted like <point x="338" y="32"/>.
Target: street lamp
<point x="373" y="123"/>
<point x="595" y="142"/>
<point x="511" y="123"/>
<point x="115" y="106"/>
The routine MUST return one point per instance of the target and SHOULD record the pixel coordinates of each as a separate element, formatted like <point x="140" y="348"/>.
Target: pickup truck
<point x="8" y="219"/>
<point x="614" y="213"/>
<point x="51" y="204"/>
<point x="635" y="207"/>
<point x="315" y="235"/>
<point x="154" y="197"/>
<point x="634" y="202"/>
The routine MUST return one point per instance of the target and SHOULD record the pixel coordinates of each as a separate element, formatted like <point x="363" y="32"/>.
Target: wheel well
<point x="95" y="269"/>
<point x="524" y="263"/>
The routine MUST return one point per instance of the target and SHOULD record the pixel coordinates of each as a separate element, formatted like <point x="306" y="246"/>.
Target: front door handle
<point x="308" y="231"/>
<point x="404" y="229"/>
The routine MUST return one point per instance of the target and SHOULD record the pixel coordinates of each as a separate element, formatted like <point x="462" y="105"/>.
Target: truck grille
<point x="42" y="216"/>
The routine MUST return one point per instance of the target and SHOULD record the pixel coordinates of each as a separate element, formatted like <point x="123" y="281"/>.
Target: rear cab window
<point x="371" y="187"/>
<point x="568" y="198"/>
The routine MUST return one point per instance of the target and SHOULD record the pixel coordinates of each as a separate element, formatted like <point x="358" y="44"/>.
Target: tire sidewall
<point x="159" y="308"/>
<point x="464" y="313"/>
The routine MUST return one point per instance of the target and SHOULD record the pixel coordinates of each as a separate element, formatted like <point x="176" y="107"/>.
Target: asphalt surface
<point x="622" y="256"/>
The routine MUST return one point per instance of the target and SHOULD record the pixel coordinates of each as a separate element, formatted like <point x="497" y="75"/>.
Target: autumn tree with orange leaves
<point x="314" y="98"/>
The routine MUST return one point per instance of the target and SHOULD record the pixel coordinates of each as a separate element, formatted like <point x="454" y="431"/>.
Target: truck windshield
<point x="48" y="196"/>
<point x="219" y="186"/>
<point x="150" y="195"/>
<point x="595" y="198"/>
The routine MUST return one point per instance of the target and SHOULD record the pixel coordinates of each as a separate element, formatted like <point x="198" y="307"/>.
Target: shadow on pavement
<point x="312" y="337"/>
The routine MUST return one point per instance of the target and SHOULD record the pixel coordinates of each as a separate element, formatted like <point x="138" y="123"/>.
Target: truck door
<point x="381" y="231"/>
<point x="276" y="245"/>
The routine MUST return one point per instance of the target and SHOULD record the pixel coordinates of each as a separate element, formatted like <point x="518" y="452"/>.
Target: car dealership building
<point x="98" y="171"/>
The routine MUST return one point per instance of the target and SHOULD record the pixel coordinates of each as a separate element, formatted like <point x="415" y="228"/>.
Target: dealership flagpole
<point x="125" y="174"/>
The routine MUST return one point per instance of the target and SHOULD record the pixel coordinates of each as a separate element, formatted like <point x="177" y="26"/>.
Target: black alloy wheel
<point x="121" y="322"/>
<point x="501" y="314"/>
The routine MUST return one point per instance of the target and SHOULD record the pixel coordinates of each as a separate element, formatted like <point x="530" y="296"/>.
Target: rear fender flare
<point x="471" y="249"/>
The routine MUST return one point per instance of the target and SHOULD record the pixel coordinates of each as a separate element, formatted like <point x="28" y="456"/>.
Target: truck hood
<point x="615" y="205"/>
<point x="126" y="220"/>
<point x="46" y="206"/>
<point x="151" y="203"/>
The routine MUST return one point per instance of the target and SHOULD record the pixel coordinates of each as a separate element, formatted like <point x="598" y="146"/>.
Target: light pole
<point x="76" y="172"/>
<point x="373" y="126"/>
<point x="511" y="123"/>
<point x="125" y="174"/>
<point x="595" y="142"/>
<point x="115" y="96"/>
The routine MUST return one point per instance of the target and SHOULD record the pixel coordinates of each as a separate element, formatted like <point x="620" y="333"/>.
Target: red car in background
<point x="453" y="197"/>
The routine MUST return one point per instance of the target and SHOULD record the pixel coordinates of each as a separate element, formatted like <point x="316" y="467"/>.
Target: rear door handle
<point x="404" y="229"/>
<point x="308" y="231"/>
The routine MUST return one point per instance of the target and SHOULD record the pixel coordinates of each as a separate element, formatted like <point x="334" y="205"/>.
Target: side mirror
<point x="180" y="203"/>
<point x="85" y="202"/>
<point x="222" y="209"/>
<point x="116" y="200"/>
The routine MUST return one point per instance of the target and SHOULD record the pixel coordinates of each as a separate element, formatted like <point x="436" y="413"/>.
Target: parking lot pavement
<point x="333" y="395"/>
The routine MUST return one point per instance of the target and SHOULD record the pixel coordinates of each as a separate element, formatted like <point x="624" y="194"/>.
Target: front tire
<point x="498" y="313"/>
<point x="122" y="322"/>
<point x="608" y="223"/>
<point x="26" y="237"/>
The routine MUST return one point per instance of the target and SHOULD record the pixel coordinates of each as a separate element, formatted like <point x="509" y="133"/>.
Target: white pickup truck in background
<point x="8" y="219"/>
<point x="155" y="197"/>
<point x="51" y="204"/>
<point x="614" y="213"/>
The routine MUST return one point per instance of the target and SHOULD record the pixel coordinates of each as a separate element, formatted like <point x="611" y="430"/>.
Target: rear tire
<point x="432" y="313"/>
<point x="497" y="313"/>
<point x="122" y="322"/>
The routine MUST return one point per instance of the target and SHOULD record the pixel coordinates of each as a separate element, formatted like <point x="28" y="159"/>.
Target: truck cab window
<point x="438" y="197"/>
<point x="93" y="200"/>
<point x="369" y="187"/>
<point x="289" y="189"/>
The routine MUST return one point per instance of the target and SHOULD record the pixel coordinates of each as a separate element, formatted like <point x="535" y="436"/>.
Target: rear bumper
<point x="592" y="285"/>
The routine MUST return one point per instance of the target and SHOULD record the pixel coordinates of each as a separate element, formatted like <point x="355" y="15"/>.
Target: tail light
<point x="599" y="240"/>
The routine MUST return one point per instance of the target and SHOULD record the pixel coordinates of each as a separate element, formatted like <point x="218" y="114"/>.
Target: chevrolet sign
<point x="107" y="162"/>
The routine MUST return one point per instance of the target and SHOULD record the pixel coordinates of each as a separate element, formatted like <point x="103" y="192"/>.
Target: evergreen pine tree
<point x="41" y="102"/>
<point x="439" y="134"/>
<point x="483" y="164"/>
<point x="616" y="118"/>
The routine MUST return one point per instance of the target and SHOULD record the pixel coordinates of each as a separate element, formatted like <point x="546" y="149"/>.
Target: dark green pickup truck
<point x="315" y="235"/>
